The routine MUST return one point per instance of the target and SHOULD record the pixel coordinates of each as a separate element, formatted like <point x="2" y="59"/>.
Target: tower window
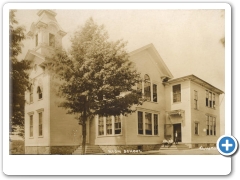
<point x="36" y="40"/>
<point x="51" y="40"/>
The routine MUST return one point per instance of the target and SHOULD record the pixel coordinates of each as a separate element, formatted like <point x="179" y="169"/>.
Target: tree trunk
<point x="83" y="135"/>
<point x="84" y="126"/>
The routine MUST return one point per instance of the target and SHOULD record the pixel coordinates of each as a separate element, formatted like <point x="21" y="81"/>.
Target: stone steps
<point x="89" y="149"/>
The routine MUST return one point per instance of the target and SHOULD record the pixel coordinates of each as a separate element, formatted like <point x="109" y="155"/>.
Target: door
<point x="177" y="128"/>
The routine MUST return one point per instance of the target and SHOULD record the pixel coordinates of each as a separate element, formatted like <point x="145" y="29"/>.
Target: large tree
<point x="98" y="77"/>
<point x="18" y="73"/>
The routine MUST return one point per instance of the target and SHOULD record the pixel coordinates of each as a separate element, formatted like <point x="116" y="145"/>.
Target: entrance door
<point x="177" y="127"/>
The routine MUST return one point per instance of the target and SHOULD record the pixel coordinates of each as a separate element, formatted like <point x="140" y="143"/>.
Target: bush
<point x="16" y="147"/>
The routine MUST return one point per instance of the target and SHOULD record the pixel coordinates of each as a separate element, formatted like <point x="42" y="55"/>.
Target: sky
<point x="187" y="40"/>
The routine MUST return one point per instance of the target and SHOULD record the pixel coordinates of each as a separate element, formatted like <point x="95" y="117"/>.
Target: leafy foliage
<point x="97" y="69"/>
<point x="97" y="77"/>
<point x="18" y="73"/>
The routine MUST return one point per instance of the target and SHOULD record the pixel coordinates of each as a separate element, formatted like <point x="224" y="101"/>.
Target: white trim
<point x="152" y="121"/>
<point x="40" y="110"/>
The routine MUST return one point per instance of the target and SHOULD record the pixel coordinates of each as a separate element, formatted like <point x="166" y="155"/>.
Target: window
<point x="40" y="128"/>
<point x="213" y="100"/>
<point x="211" y="125"/>
<point x="210" y="99"/>
<point x="139" y="88"/>
<point x="140" y="122"/>
<point x="51" y="40"/>
<point x="39" y="91"/>
<point x="109" y="124"/>
<point x="214" y="126"/>
<point x="36" y="40"/>
<point x="154" y="93"/>
<point x="207" y="96"/>
<point x="31" y="126"/>
<point x="207" y="123"/>
<point x="155" y="124"/>
<point x="147" y="87"/>
<point x="31" y="93"/>
<point x="100" y="126"/>
<point x="117" y="122"/>
<point x="148" y="123"/>
<point x="177" y="93"/>
<point x="196" y="129"/>
<point x="195" y="99"/>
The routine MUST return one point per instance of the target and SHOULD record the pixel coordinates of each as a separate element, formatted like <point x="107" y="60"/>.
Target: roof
<point x="158" y="59"/>
<point x="196" y="80"/>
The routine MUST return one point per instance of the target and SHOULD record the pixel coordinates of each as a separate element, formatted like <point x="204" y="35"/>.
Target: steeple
<point x="46" y="33"/>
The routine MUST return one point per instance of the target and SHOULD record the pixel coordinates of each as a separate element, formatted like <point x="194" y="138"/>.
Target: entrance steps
<point x="178" y="146"/>
<point x="89" y="149"/>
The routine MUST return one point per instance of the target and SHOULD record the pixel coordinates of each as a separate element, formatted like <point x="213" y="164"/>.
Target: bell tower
<point x="46" y="34"/>
<point x="48" y="128"/>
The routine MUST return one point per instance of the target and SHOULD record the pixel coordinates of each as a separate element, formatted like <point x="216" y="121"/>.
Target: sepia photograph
<point x="116" y="82"/>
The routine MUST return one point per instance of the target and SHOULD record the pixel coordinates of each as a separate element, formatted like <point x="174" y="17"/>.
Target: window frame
<point x="195" y="99"/>
<point x="49" y="38"/>
<point x="147" y="87"/>
<point x="178" y="94"/>
<point x="211" y="125"/>
<point x="31" y="132"/>
<point x="117" y="125"/>
<point x="210" y="99"/>
<point x="100" y="119"/>
<point x="40" y="124"/>
<point x="196" y="132"/>
<point x="140" y="123"/>
<point x="155" y="124"/>
<point x="39" y="92"/>
<point x="151" y="93"/>
<point x="154" y="96"/>
<point x="109" y="124"/>
<point x="31" y="93"/>
<point x="36" y="40"/>
<point x="148" y="123"/>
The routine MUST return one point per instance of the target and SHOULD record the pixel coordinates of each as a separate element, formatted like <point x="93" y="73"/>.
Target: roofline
<point x="148" y="46"/>
<point x="192" y="77"/>
<point x="35" y="54"/>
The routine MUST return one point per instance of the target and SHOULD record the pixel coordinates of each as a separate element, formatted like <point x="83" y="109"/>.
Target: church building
<point x="186" y="107"/>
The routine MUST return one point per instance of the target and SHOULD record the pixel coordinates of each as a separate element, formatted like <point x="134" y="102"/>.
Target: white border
<point x="126" y="164"/>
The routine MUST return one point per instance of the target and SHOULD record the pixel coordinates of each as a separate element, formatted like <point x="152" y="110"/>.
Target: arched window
<point x="31" y="93"/>
<point x="39" y="91"/>
<point x="147" y="87"/>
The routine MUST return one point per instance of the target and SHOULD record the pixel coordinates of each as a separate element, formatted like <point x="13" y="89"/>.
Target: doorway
<point x="177" y="127"/>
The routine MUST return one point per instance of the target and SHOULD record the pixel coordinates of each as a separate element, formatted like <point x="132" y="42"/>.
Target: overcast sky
<point x="187" y="40"/>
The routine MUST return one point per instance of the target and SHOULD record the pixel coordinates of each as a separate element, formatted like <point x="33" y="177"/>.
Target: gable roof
<point x="157" y="58"/>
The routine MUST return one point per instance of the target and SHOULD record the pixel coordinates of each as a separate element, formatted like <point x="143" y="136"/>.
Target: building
<point x="48" y="129"/>
<point x="187" y="106"/>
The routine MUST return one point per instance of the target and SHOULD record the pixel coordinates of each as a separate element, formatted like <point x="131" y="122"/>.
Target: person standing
<point x="176" y="137"/>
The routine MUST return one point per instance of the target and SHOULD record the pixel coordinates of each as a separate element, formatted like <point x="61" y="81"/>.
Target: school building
<point x="188" y="106"/>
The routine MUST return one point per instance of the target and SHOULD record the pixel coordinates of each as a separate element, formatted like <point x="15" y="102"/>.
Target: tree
<point x="97" y="77"/>
<point x="18" y="74"/>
